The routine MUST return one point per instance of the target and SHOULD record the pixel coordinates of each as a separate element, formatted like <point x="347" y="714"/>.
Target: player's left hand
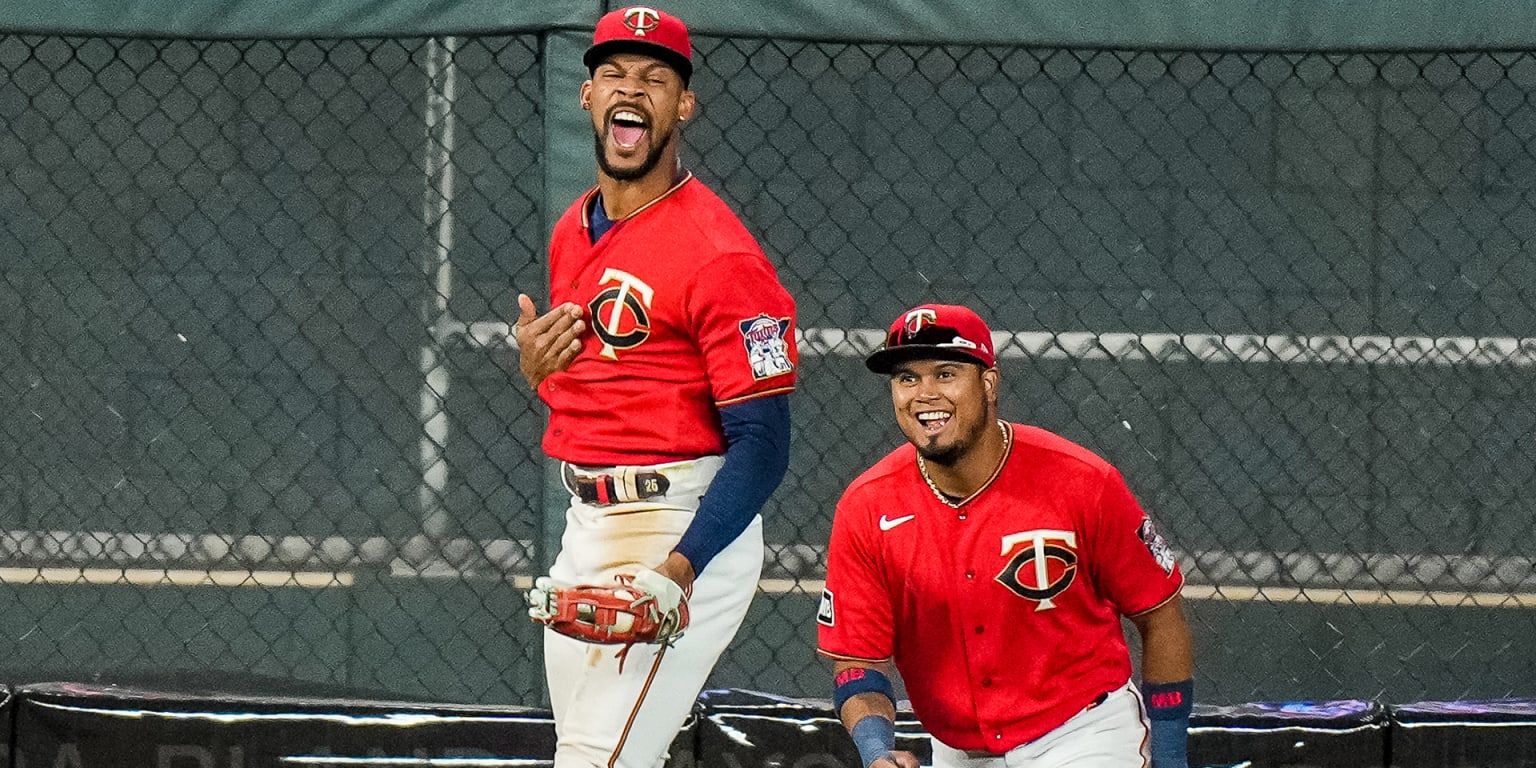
<point x="677" y="568"/>
<point x="669" y="594"/>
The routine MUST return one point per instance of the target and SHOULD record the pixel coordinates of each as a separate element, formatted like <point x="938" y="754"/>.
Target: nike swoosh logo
<point x="887" y="523"/>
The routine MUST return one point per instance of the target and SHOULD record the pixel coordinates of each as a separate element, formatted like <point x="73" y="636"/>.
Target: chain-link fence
<point x="261" y="417"/>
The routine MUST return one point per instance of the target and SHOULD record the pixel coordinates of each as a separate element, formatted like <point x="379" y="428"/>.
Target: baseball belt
<point x="623" y="485"/>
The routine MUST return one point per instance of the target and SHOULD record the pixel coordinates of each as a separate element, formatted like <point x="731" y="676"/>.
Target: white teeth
<point x="933" y="416"/>
<point x="625" y="114"/>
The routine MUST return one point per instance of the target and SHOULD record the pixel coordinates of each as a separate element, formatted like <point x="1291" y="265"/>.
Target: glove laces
<point x="666" y="636"/>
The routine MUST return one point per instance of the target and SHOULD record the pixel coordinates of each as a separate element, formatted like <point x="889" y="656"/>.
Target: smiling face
<point x="636" y="103"/>
<point x="944" y="407"/>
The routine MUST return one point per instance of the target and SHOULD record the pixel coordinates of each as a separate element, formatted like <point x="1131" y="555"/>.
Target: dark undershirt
<point x="600" y="223"/>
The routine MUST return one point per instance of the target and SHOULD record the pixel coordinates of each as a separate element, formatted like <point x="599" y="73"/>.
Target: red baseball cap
<point x="935" y="332"/>
<point x="645" y="30"/>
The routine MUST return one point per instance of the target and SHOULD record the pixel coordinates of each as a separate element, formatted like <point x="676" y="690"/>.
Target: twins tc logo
<point x="621" y="315"/>
<point x="1043" y="568"/>
<point x="641" y="20"/>
<point x="917" y="318"/>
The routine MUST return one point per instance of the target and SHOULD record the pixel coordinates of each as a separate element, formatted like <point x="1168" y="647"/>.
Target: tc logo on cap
<point x="917" y="318"/>
<point x="641" y="19"/>
<point x="935" y="332"/>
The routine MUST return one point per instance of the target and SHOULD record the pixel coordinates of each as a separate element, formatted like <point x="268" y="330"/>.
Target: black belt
<point x="615" y="488"/>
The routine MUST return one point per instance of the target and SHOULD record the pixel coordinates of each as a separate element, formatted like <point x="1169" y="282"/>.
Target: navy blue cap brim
<point x="885" y="359"/>
<point x="678" y="62"/>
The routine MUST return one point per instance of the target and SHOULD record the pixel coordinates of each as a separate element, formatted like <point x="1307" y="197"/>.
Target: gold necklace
<point x="922" y="468"/>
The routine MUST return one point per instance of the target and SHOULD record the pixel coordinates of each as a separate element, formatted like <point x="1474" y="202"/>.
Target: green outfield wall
<point x="1246" y="24"/>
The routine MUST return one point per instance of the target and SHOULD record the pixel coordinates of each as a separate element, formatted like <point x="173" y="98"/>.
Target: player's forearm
<point x="756" y="459"/>
<point x="1167" y="681"/>
<point x="1167" y="648"/>
<point x="861" y="689"/>
<point x="864" y="699"/>
<point x="865" y="705"/>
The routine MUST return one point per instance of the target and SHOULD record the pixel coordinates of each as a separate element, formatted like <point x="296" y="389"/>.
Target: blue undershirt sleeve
<point x="756" y="458"/>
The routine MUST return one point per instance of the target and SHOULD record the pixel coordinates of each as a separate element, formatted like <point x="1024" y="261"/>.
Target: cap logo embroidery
<point x="641" y="20"/>
<point x="917" y="318"/>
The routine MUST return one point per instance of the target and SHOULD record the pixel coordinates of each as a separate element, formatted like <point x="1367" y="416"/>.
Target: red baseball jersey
<point x="684" y="315"/>
<point x="1002" y="613"/>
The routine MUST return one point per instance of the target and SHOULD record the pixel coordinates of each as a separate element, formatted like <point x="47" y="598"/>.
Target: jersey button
<point x="962" y="515"/>
<point x="970" y="574"/>
<point x="987" y="683"/>
<point x="980" y="630"/>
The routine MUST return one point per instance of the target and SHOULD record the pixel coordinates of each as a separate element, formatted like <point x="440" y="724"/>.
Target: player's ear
<point x="989" y="380"/>
<point x="685" y="106"/>
<point x="586" y="95"/>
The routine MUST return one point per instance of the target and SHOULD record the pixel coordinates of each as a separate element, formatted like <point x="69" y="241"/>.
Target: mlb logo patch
<point x="1155" y="544"/>
<point x="767" y="342"/>
<point x="824" y="613"/>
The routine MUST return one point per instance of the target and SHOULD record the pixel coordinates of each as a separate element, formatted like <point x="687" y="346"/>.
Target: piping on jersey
<point x="634" y="712"/>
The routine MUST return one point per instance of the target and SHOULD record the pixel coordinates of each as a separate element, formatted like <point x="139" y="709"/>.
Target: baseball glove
<point x="644" y="608"/>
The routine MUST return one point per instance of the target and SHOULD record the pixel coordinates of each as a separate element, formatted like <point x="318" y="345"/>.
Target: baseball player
<point x="666" y="363"/>
<point x="992" y="562"/>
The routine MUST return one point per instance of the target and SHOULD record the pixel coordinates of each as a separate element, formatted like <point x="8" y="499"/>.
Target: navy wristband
<point x="1169" y="706"/>
<point x="1169" y="701"/>
<point x="856" y="680"/>
<point x="875" y="737"/>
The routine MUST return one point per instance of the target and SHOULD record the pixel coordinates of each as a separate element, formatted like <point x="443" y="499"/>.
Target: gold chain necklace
<point x="922" y="468"/>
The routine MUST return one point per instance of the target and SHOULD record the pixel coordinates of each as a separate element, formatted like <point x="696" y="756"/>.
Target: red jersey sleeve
<point x="744" y="321"/>
<point x="1136" y="568"/>
<point x="855" y="619"/>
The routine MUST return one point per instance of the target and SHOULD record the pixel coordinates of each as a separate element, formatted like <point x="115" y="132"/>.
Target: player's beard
<point x="652" y="158"/>
<point x="950" y="454"/>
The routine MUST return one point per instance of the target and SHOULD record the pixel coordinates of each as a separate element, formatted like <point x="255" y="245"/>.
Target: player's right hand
<point x="543" y="599"/>
<point x="899" y="759"/>
<point x="546" y="343"/>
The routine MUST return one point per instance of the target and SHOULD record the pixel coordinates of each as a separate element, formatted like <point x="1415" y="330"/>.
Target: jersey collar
<point x="996" y="471"/>
<point x="591" y="195"/>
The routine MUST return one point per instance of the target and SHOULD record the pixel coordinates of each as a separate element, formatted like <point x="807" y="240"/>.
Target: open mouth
<point x="627" y="128"/>
<point x="934" y="421"/>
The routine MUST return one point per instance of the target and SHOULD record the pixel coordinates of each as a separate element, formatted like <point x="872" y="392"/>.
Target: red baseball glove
<point x="644" y="608"/>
